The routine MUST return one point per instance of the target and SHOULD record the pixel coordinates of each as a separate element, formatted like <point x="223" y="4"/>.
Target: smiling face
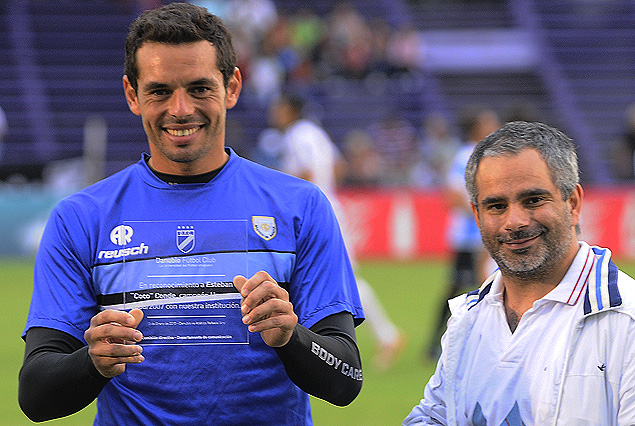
<point x="526" y="226"/>
<point x="183" y="103"/>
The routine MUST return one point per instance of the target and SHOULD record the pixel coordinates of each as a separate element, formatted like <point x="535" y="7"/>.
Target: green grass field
<point x="412" y="293"/>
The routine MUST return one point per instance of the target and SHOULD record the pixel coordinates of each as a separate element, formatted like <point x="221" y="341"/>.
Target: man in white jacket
<point x="549" y="338"/>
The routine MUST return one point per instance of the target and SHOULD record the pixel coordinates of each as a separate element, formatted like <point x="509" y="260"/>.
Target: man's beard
<point x="534" y="262"/>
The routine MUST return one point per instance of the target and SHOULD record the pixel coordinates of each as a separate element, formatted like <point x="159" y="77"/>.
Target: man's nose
<point x="517" y="217"/>
<point x="181" y="104"/>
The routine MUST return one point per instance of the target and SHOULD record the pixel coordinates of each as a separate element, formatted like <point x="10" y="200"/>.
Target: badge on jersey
<point x="185" y="238"/>
<point x="265" y="226"/>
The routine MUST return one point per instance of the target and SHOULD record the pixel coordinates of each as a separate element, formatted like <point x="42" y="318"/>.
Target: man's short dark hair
<point x="178" y="23"/>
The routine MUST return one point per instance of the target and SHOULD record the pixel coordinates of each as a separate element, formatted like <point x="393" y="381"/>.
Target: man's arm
<point x="324" y="360"/>
<point x="58" y="377"/>
<point x="266" y="309"/>
<point x="432" y="409"/>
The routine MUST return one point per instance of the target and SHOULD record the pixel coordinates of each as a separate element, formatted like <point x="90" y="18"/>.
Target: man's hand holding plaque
<point x="112" y="341"/>
<point x="266" y="308"/>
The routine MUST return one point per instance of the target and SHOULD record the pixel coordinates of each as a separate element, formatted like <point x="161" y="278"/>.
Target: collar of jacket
<point x="602" y="292"/>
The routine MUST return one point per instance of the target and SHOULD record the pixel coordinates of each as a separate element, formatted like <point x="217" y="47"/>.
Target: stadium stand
<point x="61" y="63"/>
<point x="594" y="45"/>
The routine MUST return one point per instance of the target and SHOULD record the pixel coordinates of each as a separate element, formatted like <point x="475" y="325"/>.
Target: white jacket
<point x="596" y="382"/>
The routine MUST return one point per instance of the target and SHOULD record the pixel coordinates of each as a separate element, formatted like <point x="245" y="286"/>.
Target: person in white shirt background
<point x="309" y="153"/>
<point x="549" y="338"/>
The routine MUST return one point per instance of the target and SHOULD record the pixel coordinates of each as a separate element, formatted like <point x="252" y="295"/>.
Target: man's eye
<point x="534" y="200"/>
<point x="159" y="92"/>
<point x="496" y="207"/>
<point x="200" y="90"/>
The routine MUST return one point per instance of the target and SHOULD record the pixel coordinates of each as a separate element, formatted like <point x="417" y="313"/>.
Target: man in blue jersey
<point x="299" y="304"/>
<point x="549" y="338"/>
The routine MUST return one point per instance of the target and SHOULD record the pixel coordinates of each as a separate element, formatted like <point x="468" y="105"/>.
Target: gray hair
<point x="556" y="148"/>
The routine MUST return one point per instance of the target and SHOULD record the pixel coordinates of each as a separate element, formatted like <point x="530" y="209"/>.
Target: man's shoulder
<point x="626" y="286"/>
<point x="471" y="301"/>
<point x="617" y="322"/>
<point x="610" y="291"/>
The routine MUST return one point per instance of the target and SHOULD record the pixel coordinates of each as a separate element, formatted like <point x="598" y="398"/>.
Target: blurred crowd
<point x="275" y="47"/>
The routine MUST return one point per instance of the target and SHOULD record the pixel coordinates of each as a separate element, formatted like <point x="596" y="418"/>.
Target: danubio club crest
<point x="265" y="226"/>
<point x="185" y="238"/>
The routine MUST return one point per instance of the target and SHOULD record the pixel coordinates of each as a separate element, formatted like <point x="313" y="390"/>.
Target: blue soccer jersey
<point x="95" y="237"/>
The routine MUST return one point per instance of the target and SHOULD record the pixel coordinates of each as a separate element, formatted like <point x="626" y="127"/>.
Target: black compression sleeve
<point x="324" y="361"/>
<point x="58" y="377"/>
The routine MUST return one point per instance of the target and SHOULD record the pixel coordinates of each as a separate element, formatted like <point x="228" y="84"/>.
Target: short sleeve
<point x="323" y="282"/>
<point x="63" y="297"/>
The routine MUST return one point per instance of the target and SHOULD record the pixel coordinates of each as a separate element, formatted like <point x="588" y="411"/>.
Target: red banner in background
<point x="608" y="219"/>
<point x="398" y="223"/>
<point x="411" y="224"/>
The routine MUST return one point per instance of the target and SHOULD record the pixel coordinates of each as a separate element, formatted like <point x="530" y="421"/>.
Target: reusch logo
<point x="122" y="235"/>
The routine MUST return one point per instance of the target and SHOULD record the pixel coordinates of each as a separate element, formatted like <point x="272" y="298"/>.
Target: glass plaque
<point x="181" y="277"/>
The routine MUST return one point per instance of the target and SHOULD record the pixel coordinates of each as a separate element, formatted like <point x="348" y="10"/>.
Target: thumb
<point x="239" y="282"/>
<point x="137" y="314"/>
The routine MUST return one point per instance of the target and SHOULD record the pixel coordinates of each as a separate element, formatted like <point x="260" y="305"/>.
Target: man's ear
<point x="234" y="86"/>
<point x="475" y="212"/>
<point x="131" y="96"/>
<point x="575" y="204"/>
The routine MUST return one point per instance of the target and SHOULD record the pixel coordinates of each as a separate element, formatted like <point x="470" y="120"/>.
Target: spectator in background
<point x="404" y="51"/>
<point x="381" y="34"/>
<point x="253" y="17"/>
<point x="364" y="164"/>
<point x="395" y="141"/>
<point x="307" y="35"/>
<point x="437" y="146"/>
<point x="311" y="155"/>
<point x="307" y="32"/>
<point x="285" y="53"/>
<point x="310" y="47"/>
<point x="350" y="42"/>
<point x="281" y="35"/>
<point x="470" y="260"/>
<point x="250" y="22"/>
<point x="267" y="69"/>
